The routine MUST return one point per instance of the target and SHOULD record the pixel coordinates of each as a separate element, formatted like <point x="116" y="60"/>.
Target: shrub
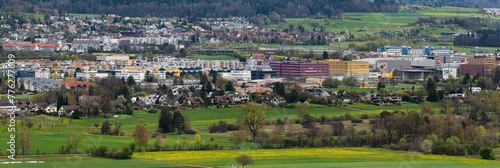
<point x="486" y="153"/>
<point x="426" y="146"/>
<point x="189" y="130"/>
<point x="357" y="120"/>
<point x="347" y="116"/>
<point x="364" y="116"/>
<point x="103" y="151"/>
<point x="222" y="127"/>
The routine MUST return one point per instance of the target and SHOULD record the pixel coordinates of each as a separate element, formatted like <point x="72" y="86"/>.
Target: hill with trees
<point x="201" y="8"/>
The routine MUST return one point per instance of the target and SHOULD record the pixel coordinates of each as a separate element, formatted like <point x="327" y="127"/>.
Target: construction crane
<point x="177" y="72"/>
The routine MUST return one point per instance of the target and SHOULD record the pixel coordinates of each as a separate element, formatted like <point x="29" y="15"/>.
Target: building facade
<point x="338" y="67"/>
<point x="300" y="69"/>
<point x="478" y="65"/>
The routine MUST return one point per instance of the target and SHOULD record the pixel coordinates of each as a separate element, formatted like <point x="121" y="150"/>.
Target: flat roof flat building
<point x="300" y="69"/>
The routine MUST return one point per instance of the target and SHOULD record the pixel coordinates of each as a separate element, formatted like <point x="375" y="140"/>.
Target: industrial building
<point x="351" y="68"/>
<point x="300" y="69"/>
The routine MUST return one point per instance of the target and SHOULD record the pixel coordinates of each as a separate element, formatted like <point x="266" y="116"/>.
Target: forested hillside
<point x="201" y="8"/>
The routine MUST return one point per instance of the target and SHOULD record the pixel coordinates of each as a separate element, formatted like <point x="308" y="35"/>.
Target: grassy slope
<point x="375" y="22"/>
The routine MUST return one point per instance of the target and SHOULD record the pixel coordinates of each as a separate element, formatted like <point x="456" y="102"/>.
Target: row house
<point x="43" y="47"/>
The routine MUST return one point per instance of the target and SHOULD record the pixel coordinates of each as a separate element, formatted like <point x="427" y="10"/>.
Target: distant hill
<point x="201" y="8"/>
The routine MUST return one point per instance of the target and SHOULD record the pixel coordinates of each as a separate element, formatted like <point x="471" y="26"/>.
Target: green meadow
<point x="316" y="157"/>
<point x="68" y="161"/>
<point x="212" y="57"/>
<point x="49" y="139"/>
<point x="375" y="22"/>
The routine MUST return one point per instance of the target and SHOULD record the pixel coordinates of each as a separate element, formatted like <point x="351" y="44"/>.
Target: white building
<point x="112" y="58"/>
<point x="139" y="76"/>
<point x="449" y="71"/>
<point x="91" y="75"/>
<point x="475" y="89"/>
<point x="238" y="75"/>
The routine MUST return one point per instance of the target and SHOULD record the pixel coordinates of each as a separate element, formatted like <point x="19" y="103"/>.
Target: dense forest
<point x="201" y="8"/>
<point x="485" y="37"/>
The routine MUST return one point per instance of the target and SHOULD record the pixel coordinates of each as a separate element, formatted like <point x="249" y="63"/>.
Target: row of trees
<point x="427" y="132"/>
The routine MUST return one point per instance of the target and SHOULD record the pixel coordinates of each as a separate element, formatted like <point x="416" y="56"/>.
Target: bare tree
<point x="253" y="117"/>
<point x="238" y="137"/>
<point x="141" y="136"/>
<point x="29" y="123"/>
<point x="25" y="140"/>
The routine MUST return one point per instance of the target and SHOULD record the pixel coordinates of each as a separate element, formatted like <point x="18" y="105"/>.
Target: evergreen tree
<point x="124" y="90"/>
<point x="165" y="123"/>
<point x="131" y="81"/>
<point x="484" y="118"/>
<point x="380" y="85"/>
<point x="128" y="109"/>
<point x="229" y="86"/>
<point x="466" y="79"/>
<point x="178" y="122"/>
<point x="76" y="114"/>
<point x="473" y="116"/>
<point x="431" y="90"/>
<point x="279" y="88"/>
<point x="325" y="55"/>
<point x="293" y="97"/>
<point x="106" y="127"/>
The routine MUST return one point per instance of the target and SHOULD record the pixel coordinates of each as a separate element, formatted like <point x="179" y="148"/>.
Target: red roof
<point x="8" y="45"/>
<point x="49" y="45"/>
<point x="258" y="56"/>
<point x="28" y="45"/>
<point x="76" y="84"/>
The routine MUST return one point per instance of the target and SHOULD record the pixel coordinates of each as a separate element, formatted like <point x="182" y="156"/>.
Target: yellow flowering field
<point x="223" y="158"/>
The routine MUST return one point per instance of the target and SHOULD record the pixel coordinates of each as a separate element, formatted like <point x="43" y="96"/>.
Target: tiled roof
<point x="76" y="84"/>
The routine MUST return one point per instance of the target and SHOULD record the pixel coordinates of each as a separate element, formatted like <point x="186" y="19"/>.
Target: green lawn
<point x="67" y="161"/>
<point x="49" y="140"/>
<point x="213" y="57"/>
<point x="317" y="157"/>
<point x="367" y="90"/>
<point x="19" y="96"/>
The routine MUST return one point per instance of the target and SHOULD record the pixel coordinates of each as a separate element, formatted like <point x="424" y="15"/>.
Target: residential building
<point x="404" y="50"/>
<point x="41" y="84"/>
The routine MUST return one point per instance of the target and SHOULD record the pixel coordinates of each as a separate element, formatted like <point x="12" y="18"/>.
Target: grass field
<point x="49" y="140"/>
<point x="375" y="22"/>
<point x="3" y="97"/>
<point x="212" y="57"/>
<point x="316" y="157"/>
<point x="68" y="161"/>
